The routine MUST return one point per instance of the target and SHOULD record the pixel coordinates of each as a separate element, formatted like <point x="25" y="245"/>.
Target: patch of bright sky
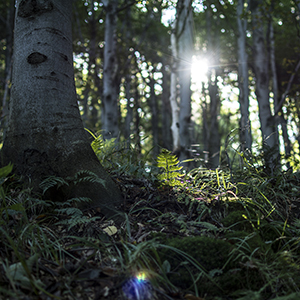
<point x="168" y="14"/>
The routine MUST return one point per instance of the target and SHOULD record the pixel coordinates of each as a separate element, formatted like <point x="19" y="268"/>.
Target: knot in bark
<point x="29" y="8"/>
<point x="36" y="58"/>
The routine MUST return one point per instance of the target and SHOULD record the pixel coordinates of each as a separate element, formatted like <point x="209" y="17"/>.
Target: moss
<point x="252" y="241"/>
<point x="238" y="220"/>
<point x="212" y="254"/>
<point x="221" y="275"/>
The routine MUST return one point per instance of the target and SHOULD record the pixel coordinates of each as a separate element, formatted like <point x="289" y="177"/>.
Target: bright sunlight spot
<point x="199" y="70"/>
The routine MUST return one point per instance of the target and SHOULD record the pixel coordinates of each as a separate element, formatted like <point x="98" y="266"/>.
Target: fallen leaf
<point x="110" y="230"/>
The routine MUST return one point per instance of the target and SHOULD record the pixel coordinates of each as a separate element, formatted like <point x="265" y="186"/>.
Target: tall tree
<point x="212" y="134"/>
<point x="245" y="125"/>
<point x="185" y="46"/>
<point x="173" y="91"/>
<point x="111" y="83"/>
<point x="45" y="134"/>
<point x="9" y="24"/>
<point x="261" y="70"/>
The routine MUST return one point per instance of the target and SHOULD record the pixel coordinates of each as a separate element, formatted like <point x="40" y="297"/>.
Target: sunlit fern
<point x="169" y="164"/>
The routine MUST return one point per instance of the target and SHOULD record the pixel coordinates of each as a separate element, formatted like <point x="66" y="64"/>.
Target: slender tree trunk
<point x="8" y="61"/>
<point x="173" y="92"/>
<point x="245" y="125"/>
<point x="137" y="121"/>
<point x="45" y="134"/>
<point x="261" y="70"/>
<point x="166" y="111"/>
<point x="110" y="114"/>
<point x="154" y="116"/>
<point x="214" y="105"/>
<point x="278" y="119"/>
<point x="185" y="44"/>
<point x="129" y="106"/>
<point x="205" y="126"/>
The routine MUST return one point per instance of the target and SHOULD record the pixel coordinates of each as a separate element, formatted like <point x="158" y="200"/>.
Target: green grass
<point x="219" y="234"/>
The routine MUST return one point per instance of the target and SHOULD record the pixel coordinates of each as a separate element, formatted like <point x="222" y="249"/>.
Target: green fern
<point x="169" y="163"/>
<point x="97" y="144"/>
<point x="78" y="178"/>
<point x="52" y="181"/>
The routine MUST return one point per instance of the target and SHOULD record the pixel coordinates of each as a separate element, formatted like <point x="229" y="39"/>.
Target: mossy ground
<point x="201" y="239"/>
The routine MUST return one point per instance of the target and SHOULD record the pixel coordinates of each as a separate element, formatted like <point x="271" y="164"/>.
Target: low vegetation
<point x="230" y="233"/>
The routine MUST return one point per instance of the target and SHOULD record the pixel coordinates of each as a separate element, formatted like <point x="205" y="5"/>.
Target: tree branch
<point x="283" y="96"/>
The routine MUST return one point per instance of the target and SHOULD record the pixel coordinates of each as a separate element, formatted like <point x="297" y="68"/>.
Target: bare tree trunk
<point x="110" y="114"/>
<point x="166" y="110"/>
<point x="278" y="119"/>
<point x="245" y="125"/>
<point x="8" y="61"/>
<point x="137" y="121"/>
<point x="173" y="92"/>
<point x="214" y="105"/>
<point x="185" y="44"/>
<point x="154" y="116"/>
<point x="45" y="134"/>
<point x="129" y="114"/>
<point x="261" y="69"/>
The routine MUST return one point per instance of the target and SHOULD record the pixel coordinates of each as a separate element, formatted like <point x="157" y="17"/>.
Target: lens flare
<point x="141" y="276"/>
<point x="138" y="287"/>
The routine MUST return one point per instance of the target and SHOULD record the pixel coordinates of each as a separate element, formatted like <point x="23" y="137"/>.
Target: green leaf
<point x="5" y="171"/>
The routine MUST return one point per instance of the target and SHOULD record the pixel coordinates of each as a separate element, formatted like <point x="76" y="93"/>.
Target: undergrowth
<point x="230" y="233"/>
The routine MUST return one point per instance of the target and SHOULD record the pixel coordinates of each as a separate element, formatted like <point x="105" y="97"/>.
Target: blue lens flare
<point x="138" y="287"/>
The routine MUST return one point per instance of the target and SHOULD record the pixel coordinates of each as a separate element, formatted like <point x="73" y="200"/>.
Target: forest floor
<point x="213" y="237"/>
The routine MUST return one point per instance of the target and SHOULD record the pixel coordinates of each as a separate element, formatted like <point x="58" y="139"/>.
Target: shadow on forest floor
<point x="214" y="236"/>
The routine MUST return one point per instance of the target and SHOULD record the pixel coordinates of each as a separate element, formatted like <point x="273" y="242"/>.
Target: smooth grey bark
<point x="129" y="107"/>
<point x="213" y="134"/>
<point x="261" y="70"/>
<point x="110" y="113"/>
<point x="45" y="134"/>
<point x="154" y="115"/>
<point x="185" y="45"/>
<point x="174" y="93"/>
<point x="243" y="80"/>
<point x="93" y="86"/>
<point x="166" y="110"/>
<point x="137" y="141"/>
<point x="279" y="116"/>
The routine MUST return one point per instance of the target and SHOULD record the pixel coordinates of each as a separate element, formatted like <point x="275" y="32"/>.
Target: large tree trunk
<point x="110" y="114"/>
<point x="261" y="69"/>
<point x="245" y="125"/>
<point x="45" y="134"/>
<point x="185" y="44"/>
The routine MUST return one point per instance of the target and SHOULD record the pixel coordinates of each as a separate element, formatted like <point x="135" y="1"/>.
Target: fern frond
<point x="69" y="211"/>
<point x="97" y="145"/>
<point x="79" y="200"/>
<point x="87" y="176"/>
<point x="52" y="181"/>
<point x="170" y="165"/>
